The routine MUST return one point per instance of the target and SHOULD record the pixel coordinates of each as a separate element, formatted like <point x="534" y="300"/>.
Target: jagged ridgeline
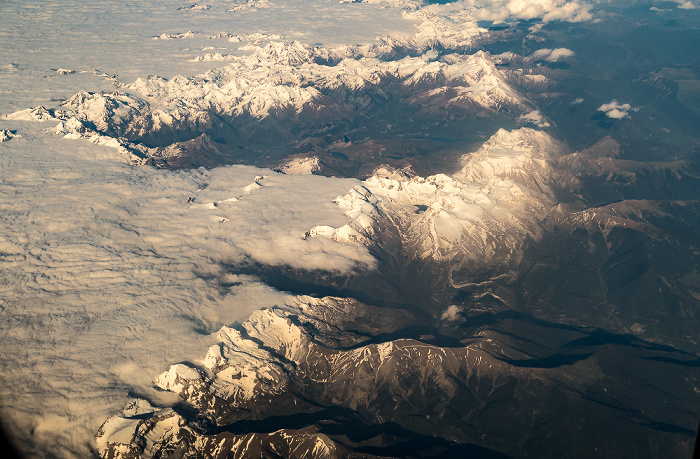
<point x="333" y="377"/>
<point x="506" y="300"/>
<point x="351" y="111"/>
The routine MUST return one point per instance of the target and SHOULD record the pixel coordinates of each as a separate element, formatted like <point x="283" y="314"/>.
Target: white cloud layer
<point x="120" y="39"/>
<point x="108" y="274"/>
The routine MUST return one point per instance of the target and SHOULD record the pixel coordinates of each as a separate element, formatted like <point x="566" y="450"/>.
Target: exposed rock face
<point x="165" y="433"/>
<point x="512" y="230"/>
<point x="352" y="376"/>
<point x="519" y="207"/>
<point x="6" y="134"/>
<point x="499" y="294"/>
<point x="480" y="215"/>
<point x="286" y="99"/>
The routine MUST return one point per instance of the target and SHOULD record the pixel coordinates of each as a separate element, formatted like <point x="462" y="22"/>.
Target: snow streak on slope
<point x="275" y="365"/>
<point x="281" y="75"/>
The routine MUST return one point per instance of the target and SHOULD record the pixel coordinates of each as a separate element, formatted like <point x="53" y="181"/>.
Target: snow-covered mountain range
<point x="334" y="360"/>
<point x="329" y="370"/>
<point x="482" y="214"/>
<point x="285" y="87"/>
<point x="463" y="238"/>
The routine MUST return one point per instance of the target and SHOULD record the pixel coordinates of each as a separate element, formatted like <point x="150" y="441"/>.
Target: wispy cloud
<point x="681" y="4"/>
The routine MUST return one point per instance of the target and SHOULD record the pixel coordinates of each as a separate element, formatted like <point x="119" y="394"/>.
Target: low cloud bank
<point x="110" y="273"/>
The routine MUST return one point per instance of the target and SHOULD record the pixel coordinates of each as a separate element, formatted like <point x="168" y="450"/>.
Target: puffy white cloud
<point x="548" y="10"/>
<point x="453" y="313"/>
<point x="687" y="5"/>
<point x="578" y="100"/>
<point x="616" y="114"/>
<point x="570" y="11"/>
<point x="534" y="117"/>
<point x="552" y="55"/>
<point x="615" y="110"/>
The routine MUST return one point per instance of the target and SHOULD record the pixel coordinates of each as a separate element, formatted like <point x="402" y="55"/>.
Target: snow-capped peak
<point x="483" y="213"/>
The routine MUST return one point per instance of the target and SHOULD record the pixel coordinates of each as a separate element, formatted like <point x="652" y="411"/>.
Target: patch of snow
<point x="6" y="134"/>
<point x="32" y="114"/>
<point x="300" y="166"/>
<point x="175" y="36"/>
<point x="255" y="38"/>
<point x="213" y="57"/>
<point x="194" y="6"/>
<point x="249" y="4"/>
